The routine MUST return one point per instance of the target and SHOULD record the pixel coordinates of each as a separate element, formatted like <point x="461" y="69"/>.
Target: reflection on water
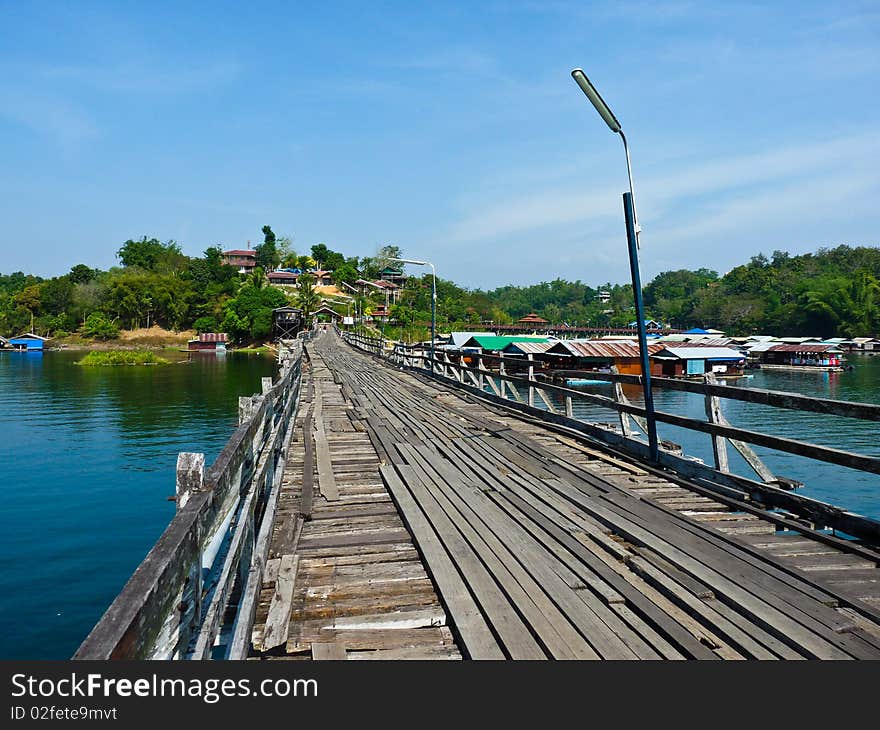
<point x="854" y="490"/>
<point x="88" y="456"/>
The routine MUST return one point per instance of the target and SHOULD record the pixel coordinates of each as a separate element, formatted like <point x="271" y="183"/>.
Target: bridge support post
<point x="713" y="415"/>
<point x="531" y="380"/>
<point x="190" y="476"/>
<point x="619" y="397"/>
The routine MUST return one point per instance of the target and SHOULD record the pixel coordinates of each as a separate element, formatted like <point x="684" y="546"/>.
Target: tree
<point x="286" y="254"/>
<point x="151" y="254"/>
<point x="306" y="297"/>
<point x="99" y="327"/>
<point x="56" y="295"/>
<point x="268" y="257"/>
<point x="82" y="274"/>
<point x="346" y="273"/>
<point x="248" y="316"/>
<point x="327" y="259"/>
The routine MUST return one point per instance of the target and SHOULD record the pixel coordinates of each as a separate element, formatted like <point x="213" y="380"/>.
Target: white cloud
<point x="803" y="167"/>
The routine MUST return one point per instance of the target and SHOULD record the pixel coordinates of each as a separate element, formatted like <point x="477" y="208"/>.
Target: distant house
<point x="322" y="277"/>
<point x="243" y="260"/>
<point x="379" y="313"/>
<point x="391" y="289"/>
<point x="395" y="276"/>
<point x="28" y="342"/>
<point x="533" y="319"/>
<point x="282" y="277"/>
<point x="678" y="362"/>
<point x="650" y="324"/>
<point x="208" y="342"/>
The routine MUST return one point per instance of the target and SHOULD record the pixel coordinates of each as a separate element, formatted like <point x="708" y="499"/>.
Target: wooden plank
<point x="531" y="596"/>
<point x="326" y="477"/>
<point x="513" y="633"/>
<point x="470" y="624"/>
<point x="328" y="651"/>
<point x="277" y="622"/>
<point x="308" y="468"/>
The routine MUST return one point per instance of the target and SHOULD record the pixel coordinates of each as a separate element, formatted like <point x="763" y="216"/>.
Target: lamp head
<point x="595" y="98"/>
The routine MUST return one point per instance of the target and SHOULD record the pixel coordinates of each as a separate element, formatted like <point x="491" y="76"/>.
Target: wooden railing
<point x="174" y="604"/>
<point x="491" y="376"/>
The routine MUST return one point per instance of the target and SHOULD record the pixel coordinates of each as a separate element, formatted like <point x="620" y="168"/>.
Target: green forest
<point x="832" y="292"/>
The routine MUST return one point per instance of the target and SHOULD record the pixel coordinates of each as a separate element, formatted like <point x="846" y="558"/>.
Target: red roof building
<point x="532" y="319"/>
<point x="243" y="260"/>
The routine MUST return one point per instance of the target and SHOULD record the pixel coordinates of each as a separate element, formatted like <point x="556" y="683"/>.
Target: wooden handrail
<point x="160" y="613"/>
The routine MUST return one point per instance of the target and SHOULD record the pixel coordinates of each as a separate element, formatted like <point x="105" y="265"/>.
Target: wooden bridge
<point x="370" y="507"/>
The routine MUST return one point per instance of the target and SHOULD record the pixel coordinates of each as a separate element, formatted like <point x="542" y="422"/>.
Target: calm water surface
<point x="88" y="458"/>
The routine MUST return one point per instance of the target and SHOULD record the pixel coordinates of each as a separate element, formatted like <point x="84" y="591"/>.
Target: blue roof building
<point x="28" y="342"/>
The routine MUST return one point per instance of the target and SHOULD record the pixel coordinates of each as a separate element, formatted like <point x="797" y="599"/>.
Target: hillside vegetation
<point x="832" y="292"/>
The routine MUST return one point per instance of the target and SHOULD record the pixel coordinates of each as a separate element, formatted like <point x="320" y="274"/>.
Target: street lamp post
<point x="349" y="286"/>
<point x="433" y="299"/>
<point x="632" y="236"/>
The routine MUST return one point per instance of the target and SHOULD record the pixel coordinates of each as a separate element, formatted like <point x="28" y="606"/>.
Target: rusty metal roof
<point x="602" y="348"/>
<point x="529" y="348"/>
<point x="803" y="348"/>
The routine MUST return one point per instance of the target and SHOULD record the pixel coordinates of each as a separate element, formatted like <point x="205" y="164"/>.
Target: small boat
<point x="586" y="381"/>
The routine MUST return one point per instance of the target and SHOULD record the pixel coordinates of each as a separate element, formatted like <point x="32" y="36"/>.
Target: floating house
<point x="683" y="362"/>
<point x="496" y="343"/>
<point x="28" y="342"/>
<point x="602" y="355"/>
<point x="861" y="344"/>
<point x="208" y="342"/>
<point x="807" y="356"/>
<point x="457" y="339"/>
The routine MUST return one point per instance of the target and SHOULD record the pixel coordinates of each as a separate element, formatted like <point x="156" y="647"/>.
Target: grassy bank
<point x="98" y="358"/>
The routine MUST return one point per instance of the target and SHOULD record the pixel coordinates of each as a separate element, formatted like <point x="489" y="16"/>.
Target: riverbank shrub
<point x="98" y="358"/>
<point x="99" y="327"/>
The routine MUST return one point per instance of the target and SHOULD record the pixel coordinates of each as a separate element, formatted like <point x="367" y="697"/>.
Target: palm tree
<point x="306" y="297"/>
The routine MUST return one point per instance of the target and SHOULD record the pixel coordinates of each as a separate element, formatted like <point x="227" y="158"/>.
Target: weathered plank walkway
<point x="416" y="521"/>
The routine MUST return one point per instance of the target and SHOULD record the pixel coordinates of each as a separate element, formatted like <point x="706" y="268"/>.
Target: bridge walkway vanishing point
<point x="418" y="521"/>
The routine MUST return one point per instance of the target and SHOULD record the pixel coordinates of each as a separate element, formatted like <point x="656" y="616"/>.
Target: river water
<point x="88" y="460"/>
<point x="854" y="490"/>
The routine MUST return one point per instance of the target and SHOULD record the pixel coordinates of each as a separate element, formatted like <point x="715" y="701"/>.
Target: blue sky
<point x="450" y="129"/>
